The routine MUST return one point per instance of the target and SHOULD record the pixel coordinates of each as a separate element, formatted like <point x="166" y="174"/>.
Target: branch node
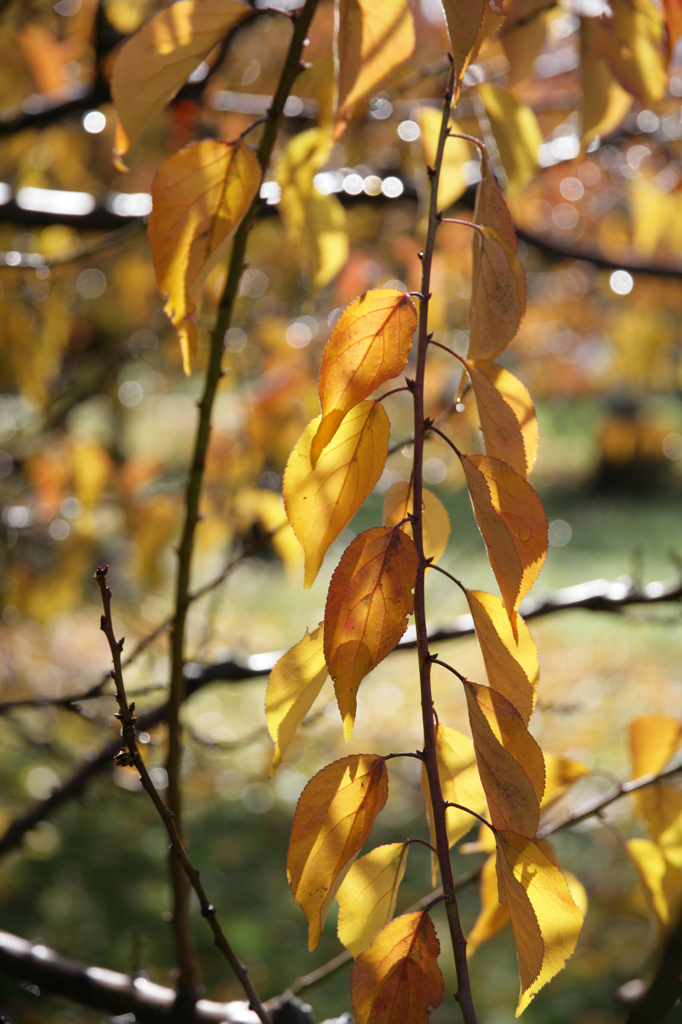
<point x="208" y="911"/>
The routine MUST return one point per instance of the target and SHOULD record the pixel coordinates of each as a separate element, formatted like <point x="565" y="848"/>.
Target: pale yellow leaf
<point x="293" y="686"/>
<point x="517" y="134"/>
<point x="560" y="774"/>
<point x="653" y="741"/>
<point x="661" y="880"/>
<point x="435" y="518"/>
<point x="507" y="414"/>
<point x="522" y="44"/>
<point x="493" y="914"/>
<point x="457" y="152"/>
<point x="329" y="240"/>
<point x="368" y="895"/>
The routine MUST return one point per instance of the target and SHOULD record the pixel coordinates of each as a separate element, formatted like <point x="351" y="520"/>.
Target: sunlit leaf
<point x="507" y="414"/>
<point x="605" y="103"/>
<point x="329" y="243"/>
<point x="293" y="686"/>
<point x="471" y="25"/>
<point x="560" y="774"/>
<point x="321" y="501"/>
<point x="397" y="979"/>
<point x="653" y="741"/>
<point x="368" y="894"/>
<point x="498" y="298"/>
<point x="369" y="599"/>
<point x="451" y="184"/>
<point x="333" y="820"/>
<point x="493" y="914"/>
<point x="662" y="881"/>
<point x="435" y="518"/>
<point x="517" y="134"/>
<point x="633" y="43"/>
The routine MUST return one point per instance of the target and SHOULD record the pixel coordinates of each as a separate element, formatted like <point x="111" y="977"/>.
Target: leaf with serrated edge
<point x="435" y="518"/>
<point x="661" y="880"/>
<point x="333" y="820"/>
<point x="509" y="761"/>
<point x="200" y="196"/>
<point x="320" y="502"/>
<point x="498" y="297"/>
<point x="512" y="665"/>
<point x="493" y="914"/>
<point x="508" y="422"/>
<point x="397" y="979"/>
<point x="369" y="599"/>
<point x="293" y="686"/>
<point x="369" y="345"/>
<point x="368" y="894"/>
<point x="457" y="152"/>
<point x="154" y="63"/>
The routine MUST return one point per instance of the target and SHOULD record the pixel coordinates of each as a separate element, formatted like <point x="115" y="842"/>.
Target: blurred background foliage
<point x="97" y="421"/>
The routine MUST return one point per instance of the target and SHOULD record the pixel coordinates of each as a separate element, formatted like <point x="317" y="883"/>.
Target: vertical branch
<point x="292" y="68"/>
<point x="425" y="658"/>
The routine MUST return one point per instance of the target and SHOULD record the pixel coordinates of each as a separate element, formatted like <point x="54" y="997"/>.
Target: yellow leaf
<point x="653" y="213"/>
<point x="513" y="523"/>
<point x="498" y="297"/>
<point x="511" y="664"/>
<point x="158" y="60"/>
<point x="199" y="195"/>
<point x="661" y="880"/>
<point x="435" y="518"/>
<point x="491" y="209"/>
<point x="493" y="914"/>
<point x="517" y="134"/>
<point x="293" y="686"/>
<point x="560" y="774"/>
<point x="373" y="38"/>
<point x="397" y="979"/>
<point x="369" y="345"/>
<point x="605" y="102"/>
<point x="321" y="501"/>
<point x="457" y="152"/>
<point x="333" y="820"/>
<point x="653" y="741"/>
<point x="507" y="414"/>
<point x="544" y="916"/>
<point x="329" y="241"/>
<point x="509" y="761"/>
<point x="368" y="894"/>
<point x="522" y="44"/>
<point x="369" y="599"/>
<point x="471" y="25"/>
<point x="632" y="41"/>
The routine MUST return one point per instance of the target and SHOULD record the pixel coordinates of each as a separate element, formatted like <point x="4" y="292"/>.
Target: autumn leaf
<point x="491" y="209"/>
<point x="327" y="231"/>
<point x="435" y="518"/>
<point x="333" y="820"/>
<point x="632" y="41"/>
<point x="199" y="195"/>
<point x="560" y="774"/>
<point x="653" y="741"/>
<point x="368" y="894"/>
<point x="513" y="523"/>
<point x="498" y="298"/>
<point x="369" y="345"/>
<point x="507" y="414"/>
<point x="517" y="134"/>
<point x="511" y="662"/>
<point x="457" y="152"/>
<point x="397" y="979"/>
<point x="605" y="103"/>
<point x="661" y="880"/>
<point x="154" y="63"/>
<point x="321" y="501"/>
<point x="493" y="914"/>
<point x="524" y="40"/>
<point x="471" y="25"/>
<point x="293" y="686"/>
<point x="369" y="599"/>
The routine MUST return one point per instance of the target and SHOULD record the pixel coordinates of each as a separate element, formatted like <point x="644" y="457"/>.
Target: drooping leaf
<point x="560" y="774"/>
<point x="662" y="881"/>
<point x="457" y="152"/>
<point x="633" y="43"/>
<point x="293" y="686"/>
<point x="369" y="599"/>
<point x="435" y="518"/>
<point x="517" y="134"/>
<point x="154" y="63"/>
<point x="199" y="195"/>
<point x="498" y="297"/>
<point x="397" y="979"/>
<point x="369" y="345"/>
<point x="511" y="664"/>
<point x="509" y="760"/>
<point x="333" y="820"/>
<point x="321" y="501"/>
<point x="653" y="741"/>
<point x="493" y="914"/>
<point x="513" y="523"/>
<point x="471" y="26"/>
<point x="605" y="103"/>
<point x="491" y="209"/>
<point x="507" y="414"/>
<point x="368" y="894"/>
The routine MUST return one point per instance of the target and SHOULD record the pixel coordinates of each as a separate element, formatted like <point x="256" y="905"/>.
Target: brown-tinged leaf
<point x="154" y="63"/>
<point x="560" y="774"/>
<point x="511" y="662"/>
<point x="653" y="741"/>
<point x="513" y="523"/>
<point x="457" y="152"/>
<point x="491" y="209"/>
<point x="662" y="881"/>
<point x="507" y="414"/>
<point x="321" y="501"/>
<point x="605" y="103"/>
<point x="199" y="195"/>
<point x="369" y="599"/>
<point x="333" y="820"/>
<point x="633" y="43"/>
<point x="523" y="42"/>
<point x="398" y="979"/>
<point x="368" y="895"/>
<point x="293" y="686"/>
<point x="471" y="26"/>
<point x="435" y="518"/>
<point x="493" y="914"/>
<point x="369" y="345"/>
<point x="498" y="297"/>
<point x="517" y="134"/>
<point x="509" y="760"/>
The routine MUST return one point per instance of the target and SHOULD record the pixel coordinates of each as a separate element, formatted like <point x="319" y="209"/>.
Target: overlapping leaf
<point x="471" y="25"/>
<point x="560" y="774"/>
<point x="491" y="209"/>
<point x="435" y="518"/>
<point x="369" y="345"/>
<point x="653" y="741"/>
<point x="498" y="298"/>
<point x="333" y="820"/>
<point x="517" y="134"/>
<point x="368" y="894"/>
<point x="662" y="881"/>
<point x="200" y="195"/>
<point x="605" y="102"/>
<point x="397" y="979"/>
<point x="507" y="414"/>
<point x="457" y="152"/>
<point x="369" y="599"/>
<point x="321" y="501"/>
<point x="293" y="686"/>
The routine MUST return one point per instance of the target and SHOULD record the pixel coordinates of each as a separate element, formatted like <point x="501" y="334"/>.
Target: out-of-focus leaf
<point x="460" y="783"/>
<point x="329" y="238"/>
<point x="471" y="26"/>
<point x="507" y="414"/>
<point x="523" y="42"/>
<point x="516" y="132"/>
<point x="653" y="741"/>
<point x="293" y="686"/>
<point x="435" y="518"/>
<point x="498" y="299"/>
<point x="493" y="914"/>
<point x="257" y="505"/>
<point x="662" y="881"/>
<point x="633" y="43"/>
<point x="368" y="895"/>
<point x="605" y="102"/>
<point x="457" y="152"/>
<point x="560" y="774"/>
<point x="673" y="20"/>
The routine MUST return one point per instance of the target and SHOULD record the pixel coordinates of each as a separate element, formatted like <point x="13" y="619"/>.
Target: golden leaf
<point x="491" y="209"/>
<point x="368" y="894"/>
<point x="653" y="741"/>
<point x="457" y="152"/>
<point x="293" y="686"/>
<point x="333" y="820"/>
<point x="661" y="880"/>
<point x="517" y="134"/>
<point x="435" y="518"/>
<point x="329" y="241"/>
<point x="493" y="914"/>
<point x="471" y="26"/>
<point x="632" y="41"/>
<point x="498" y="297"/>
<point x="523" y="42"/>
<point x="560" y="774"/>
<point x="605" y="102"/>
<point x="507" y="414"/>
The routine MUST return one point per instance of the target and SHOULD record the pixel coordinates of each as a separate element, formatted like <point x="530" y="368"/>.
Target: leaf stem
<point x="467" y="810"/>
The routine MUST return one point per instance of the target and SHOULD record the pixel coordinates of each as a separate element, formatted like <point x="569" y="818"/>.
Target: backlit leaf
<point x="493" y="914"/>
<point x="457" y="152"/>
<point x="368" y="894"/>
<point x="293" y="686"/>
<point x="523" y="42"/>
<point x="471" y="25"/>
<point x="200" y="195"/>
<point x="605" y="102"/>
<point x="369" y="345"/>
<point x="633" y="43"/>
<point x="560" y="774"/>
<point x="661" y="880"/>
<point x="507" y="414"/>
<point x="397" y="979"/>
<point x="491" y="209"/>
<point x="517" y="134"/>
<point x="369" y="599"/>
<point x="435" y="518"/>
<point x="498" y="298"/>
<point x="333" y="820"/>
<point x="321" y="501"/>
<point x="328" y="234"/>
<point x="653" y="741"/>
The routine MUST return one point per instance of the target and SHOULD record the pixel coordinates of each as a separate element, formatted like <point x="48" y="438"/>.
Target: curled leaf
<point x="293" y="686"/>
<point x="498" y="298"/>
<point x="368" y="894"/>
<point x="435" y="518"/>
<point x="508" y="421"/>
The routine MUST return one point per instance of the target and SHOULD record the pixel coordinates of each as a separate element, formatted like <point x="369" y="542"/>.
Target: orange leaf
<point x="509" y="761"/>
<point x="498" y="297"/>
<point x="368" y="895"/>
<point x="333" y="820"/>
<point x="293" y="686"/>
<point x="369" y="345"/>
<point x="435" y="518"/>
<point x="319" y="502"/>
<point x="369" y="599"/>
<point x="508" y="422"/>
<point x="397" y="979"/>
